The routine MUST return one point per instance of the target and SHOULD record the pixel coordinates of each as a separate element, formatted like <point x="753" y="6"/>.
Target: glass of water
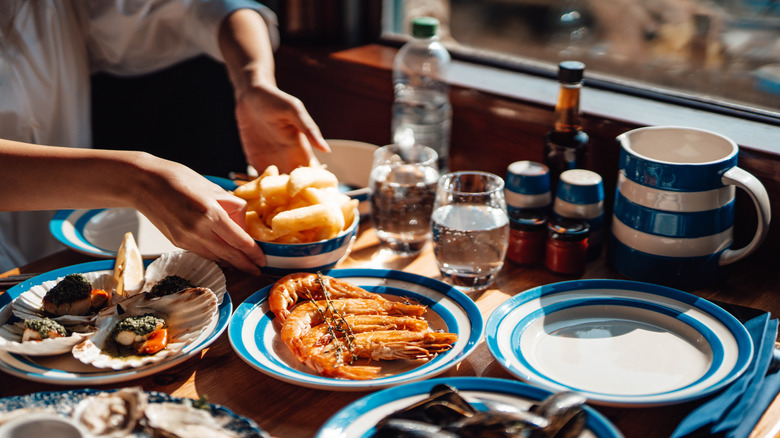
<point x="470" y="228"/>
<point x="403" y="185"/>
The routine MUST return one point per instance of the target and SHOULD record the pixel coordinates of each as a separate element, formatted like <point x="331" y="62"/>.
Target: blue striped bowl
<point x="288" y="258"/>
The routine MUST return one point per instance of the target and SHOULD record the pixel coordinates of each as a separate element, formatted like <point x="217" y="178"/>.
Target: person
<point x="49" y="48"/>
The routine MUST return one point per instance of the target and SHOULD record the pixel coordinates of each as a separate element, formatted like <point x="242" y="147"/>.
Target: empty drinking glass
<point x="470" y="228"/>
<point x="403" y="185"/>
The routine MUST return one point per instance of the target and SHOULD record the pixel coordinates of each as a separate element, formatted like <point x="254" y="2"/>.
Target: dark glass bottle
<point x="566" y="145"/>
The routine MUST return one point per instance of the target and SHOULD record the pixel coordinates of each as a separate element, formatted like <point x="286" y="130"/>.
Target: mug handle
<point x="758" y="194"/>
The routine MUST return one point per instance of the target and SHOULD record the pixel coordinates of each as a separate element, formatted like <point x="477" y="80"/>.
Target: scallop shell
<point x="187" y="314"/>
<point x="29" y="305"/>
<point x="11" y="339"/>
<point x="111" y="414"/>
<point x="199" y="271"/>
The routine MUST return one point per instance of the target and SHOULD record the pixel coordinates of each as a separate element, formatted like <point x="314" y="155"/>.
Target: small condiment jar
<point x="567" y="245"/>
<point x="527" y="236"/>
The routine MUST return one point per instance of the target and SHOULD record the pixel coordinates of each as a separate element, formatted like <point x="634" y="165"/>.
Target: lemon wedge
<point x="129" y="267"/>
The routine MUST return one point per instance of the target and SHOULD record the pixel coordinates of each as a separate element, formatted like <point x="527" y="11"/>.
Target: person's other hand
<point x="196" y="214"/>
<point x="275" y="128"/>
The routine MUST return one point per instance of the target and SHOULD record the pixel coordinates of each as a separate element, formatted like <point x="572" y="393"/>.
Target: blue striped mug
<point x="674" y="206"/>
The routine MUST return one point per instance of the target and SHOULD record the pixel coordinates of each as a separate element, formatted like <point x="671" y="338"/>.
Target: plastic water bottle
<point x="421" y="109"/>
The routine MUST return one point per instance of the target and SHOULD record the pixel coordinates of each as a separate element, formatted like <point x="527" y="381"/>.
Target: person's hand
<point x="275" y="128"/>
<point x="196" y="214"/>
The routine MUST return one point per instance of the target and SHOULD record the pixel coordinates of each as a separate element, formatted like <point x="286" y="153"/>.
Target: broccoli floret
<point x="72" y="288"/>
<point x="170" y="285"/>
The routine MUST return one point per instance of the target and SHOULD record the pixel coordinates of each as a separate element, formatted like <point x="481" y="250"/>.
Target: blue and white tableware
<point x="527" y="186"/>
<point x="580" y="195"/>
<point x="674" y="206"/>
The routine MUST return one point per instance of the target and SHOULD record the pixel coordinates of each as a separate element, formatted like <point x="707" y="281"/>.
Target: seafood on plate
<point x="39" y="336"/>
<point x="69" y="300"/>
<point x="292" y="288"/>
<point x="447" y="413"/>
<point x="182" y="268"/>
<point x="144" y="329"/>
<point x="339" y="323"/>
<point x="133" y="412"/>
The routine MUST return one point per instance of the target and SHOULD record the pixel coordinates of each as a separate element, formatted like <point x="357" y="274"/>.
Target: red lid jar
<point x="567" y="245"/>
<point x="527" y="236"/>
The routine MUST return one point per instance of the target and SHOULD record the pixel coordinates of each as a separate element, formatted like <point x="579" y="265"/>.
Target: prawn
<point x="313" y="313"/>
<point x="333" y="358"/>
<point x="291" y="288"/>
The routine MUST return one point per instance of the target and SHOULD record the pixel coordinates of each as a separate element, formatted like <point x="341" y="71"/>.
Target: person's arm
<point x="275" y="127"/>
<point x="192" y="212"/>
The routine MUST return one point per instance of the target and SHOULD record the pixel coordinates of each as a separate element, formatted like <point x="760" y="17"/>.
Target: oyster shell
<point x="197" y="270"/>
<point x="29" y="305"/>
<point x="176" y="420"/>
<point x="187" y="314"/>
<point x="11" y="338"/>
<point x="112" y="414"/>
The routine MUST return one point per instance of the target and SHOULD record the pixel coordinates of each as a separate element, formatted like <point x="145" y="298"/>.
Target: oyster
<point x="111" y="414"/>
<point x="189" y="266"/>
<point x="176" y="420"/>
<point x="187" y="314"/>
<point x="29" y="305"/>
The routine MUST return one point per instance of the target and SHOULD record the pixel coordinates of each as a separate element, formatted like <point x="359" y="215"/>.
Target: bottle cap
<point x="570" y="72"/>
<point x="527" y="219"/>
<point x="424" y="27"/>
<point x="567" y="229"/>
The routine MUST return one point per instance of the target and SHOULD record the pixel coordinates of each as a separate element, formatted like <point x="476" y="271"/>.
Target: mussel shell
<point x="29" y="305"/>
<point x="199" y="271"/>
<point x="187" y="314"/>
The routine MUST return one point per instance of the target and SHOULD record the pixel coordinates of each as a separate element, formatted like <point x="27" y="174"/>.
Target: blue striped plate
<point x="359" y="418"/>
<point x="64" y="369"/>
<point x="619" y="343"/>
<point x="254" y="334"/>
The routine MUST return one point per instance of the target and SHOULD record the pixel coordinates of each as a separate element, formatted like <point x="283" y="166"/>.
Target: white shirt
<point x="47" y="56"/>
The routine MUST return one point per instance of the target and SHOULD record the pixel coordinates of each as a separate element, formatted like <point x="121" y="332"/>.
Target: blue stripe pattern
<point x="673" y="224"/>
<point x="675" y="177"/>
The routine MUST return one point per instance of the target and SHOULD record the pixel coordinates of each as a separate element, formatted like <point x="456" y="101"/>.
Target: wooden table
<point x="286" y="410"/>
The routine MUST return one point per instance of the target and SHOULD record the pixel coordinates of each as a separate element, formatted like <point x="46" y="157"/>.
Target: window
<point x="723" y="55"/>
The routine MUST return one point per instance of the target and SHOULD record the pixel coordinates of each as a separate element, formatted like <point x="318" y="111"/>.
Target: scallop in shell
<point x="29" y="305"/>
<point x="11" y="338"/>
<point x="200" y="272"/>
<point x="111" y="414"/>
<point x="181" y="420"/>
<point x="187" y="314"/>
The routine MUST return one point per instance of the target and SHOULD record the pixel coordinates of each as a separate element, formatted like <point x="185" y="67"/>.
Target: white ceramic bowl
<point x="351" y="162"/>
<point x="42" y="424"/>
<point x="284" y="258"/>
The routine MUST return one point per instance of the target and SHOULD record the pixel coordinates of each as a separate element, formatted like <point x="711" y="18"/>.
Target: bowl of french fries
<point x="301" y="220"/>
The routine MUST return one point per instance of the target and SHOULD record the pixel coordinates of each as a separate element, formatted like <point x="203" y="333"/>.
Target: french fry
<point x="303" y="177"/>
<point x="257" y="229"/>
<point x="248" y="191"/>
<point x="274" y="189"/>
<point x="304" y="218"/>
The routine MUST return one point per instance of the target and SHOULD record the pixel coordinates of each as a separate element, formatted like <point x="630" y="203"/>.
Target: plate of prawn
<point x="435" y="327"/>
<point x="65" y="369"/>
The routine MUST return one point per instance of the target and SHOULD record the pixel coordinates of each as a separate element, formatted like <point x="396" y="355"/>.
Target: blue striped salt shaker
<point x="527" y="186"/>
<point x="580" y="195"/>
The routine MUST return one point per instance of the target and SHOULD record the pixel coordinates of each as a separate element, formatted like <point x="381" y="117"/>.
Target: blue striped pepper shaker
<point x="580" y="195"/>
<point x="527" y="186"/>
